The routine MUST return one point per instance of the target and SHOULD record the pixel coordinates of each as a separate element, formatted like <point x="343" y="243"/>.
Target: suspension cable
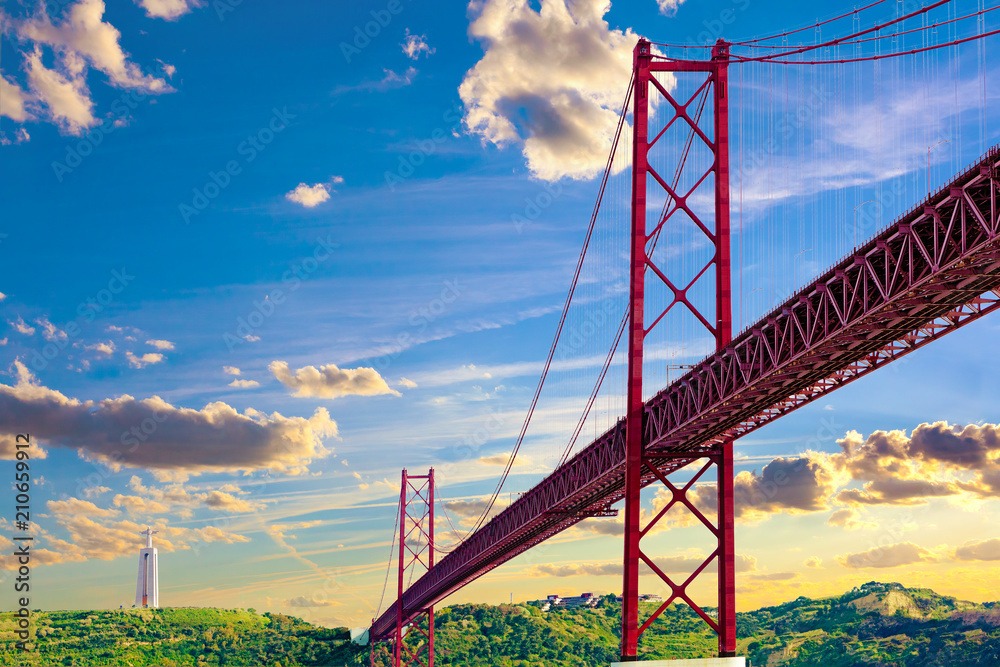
<point x="878" y="57"/>
<point x="447" y="516"/>
<point x="880" y="37"/>
<point x="624" y="322"/>
<point x="810" y="27"/>
<point x="562" y="318"/>
<point x="841" y="40"/>
<point x="388" y="567"/>
<point x="753" y="42"/>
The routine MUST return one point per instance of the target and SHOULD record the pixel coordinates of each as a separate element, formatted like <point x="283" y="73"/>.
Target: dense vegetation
<point x="174" y="636"/>
<point x="873" y="626"/>
<point x="876" y="625"/>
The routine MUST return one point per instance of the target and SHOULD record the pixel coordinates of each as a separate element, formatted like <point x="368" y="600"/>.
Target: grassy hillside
<point x="874" y="626"/>
<point x="879" y="624"/>
<point x="524" y="635"/>
<point x="174" y="636"/>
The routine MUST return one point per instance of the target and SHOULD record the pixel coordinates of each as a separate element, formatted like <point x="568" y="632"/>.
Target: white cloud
<point x="21" y="326"/>
<point x="139" y="505"/>
<point x="160" y="344"/>
<point x="216" y="438"/>
<point x="244" y="384"/>
<point x="168" y="69"/>
<point x="669" y="7"/>
<point x="303" y="601"/>
<point x="179" y="499"/>
<point x="104" y="348"/>
<point x="552" y="80"/>
<point x="2" y="296"/>
<point x="3" y="341"/>
<point x="78" y="507"/>
<point x="167" y="9"/>
<point x="502" y="460"/>
<point x="313" y="195"/>
<point x="309" y="195"/>
<point x="471" y="372"/>
<point x="862" y="143"/>
<point x="50" y="331"/>
<point x="414" y="45"/>
<point x="83" y="33"/>
<point x="847" y="518"/>
<point x="13" y="101"/>
<point x="389" y="81"/>
<point x="231" y="370"/>
<point x="394" y="80"/>
<point x="79" y="39"/>
<point x="65" y="95"/>
<point x="408" y="383"/>
<point x="145" y="360"/>
<point x="986" y="550"/>
<point x="892" y="555"/>
<point x="98" y="536"/>
<point x="331" y="382"/>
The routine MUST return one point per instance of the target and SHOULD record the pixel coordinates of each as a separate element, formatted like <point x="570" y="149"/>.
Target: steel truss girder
<point x="931" y="272"/>
<point x="771" y="369"/>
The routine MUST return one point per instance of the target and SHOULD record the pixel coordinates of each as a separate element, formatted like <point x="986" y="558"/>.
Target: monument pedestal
<point x="700" y="662"/>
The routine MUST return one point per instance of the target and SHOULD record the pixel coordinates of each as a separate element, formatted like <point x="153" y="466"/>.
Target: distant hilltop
<point x="873" y="625"/>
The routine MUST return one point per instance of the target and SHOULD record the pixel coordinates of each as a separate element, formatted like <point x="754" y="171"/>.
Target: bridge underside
<point x="934" y="270"/>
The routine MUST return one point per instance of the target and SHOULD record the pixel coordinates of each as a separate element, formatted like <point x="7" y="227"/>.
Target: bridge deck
<point x="934" y="270"/>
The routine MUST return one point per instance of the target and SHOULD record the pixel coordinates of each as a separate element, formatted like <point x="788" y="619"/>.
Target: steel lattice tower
<point x="638" y="464"/>
<point x="416" y="550"/>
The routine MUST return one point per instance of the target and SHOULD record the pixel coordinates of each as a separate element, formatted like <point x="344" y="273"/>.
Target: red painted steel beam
<point x="724" y="333"/>
<point x="934" y="270"/>
<point x="641" y="58"/>
<point x="397" y="646"/>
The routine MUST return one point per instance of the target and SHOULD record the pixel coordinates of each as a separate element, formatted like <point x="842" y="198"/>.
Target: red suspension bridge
<point x="931" y="271"/>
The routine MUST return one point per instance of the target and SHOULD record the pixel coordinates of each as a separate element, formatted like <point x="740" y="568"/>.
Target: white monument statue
<point x="147" y="587"/>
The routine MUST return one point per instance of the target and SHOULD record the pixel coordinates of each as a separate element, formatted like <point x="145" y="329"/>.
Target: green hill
<point x="174" y="636"/>
<point x="875" y="625"/>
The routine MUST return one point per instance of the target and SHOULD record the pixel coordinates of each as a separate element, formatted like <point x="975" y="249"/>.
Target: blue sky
<point x="297" y="262"/>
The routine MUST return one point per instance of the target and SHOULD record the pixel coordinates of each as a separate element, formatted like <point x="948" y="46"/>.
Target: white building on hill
<point x="583" y="600"/>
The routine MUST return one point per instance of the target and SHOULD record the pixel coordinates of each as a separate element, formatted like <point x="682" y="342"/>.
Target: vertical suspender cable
<point x="562" y="319"/>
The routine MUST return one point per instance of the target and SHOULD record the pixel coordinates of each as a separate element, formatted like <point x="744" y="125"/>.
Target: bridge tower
<point x="416" y="552"/>
<point x="643" y="466"/>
